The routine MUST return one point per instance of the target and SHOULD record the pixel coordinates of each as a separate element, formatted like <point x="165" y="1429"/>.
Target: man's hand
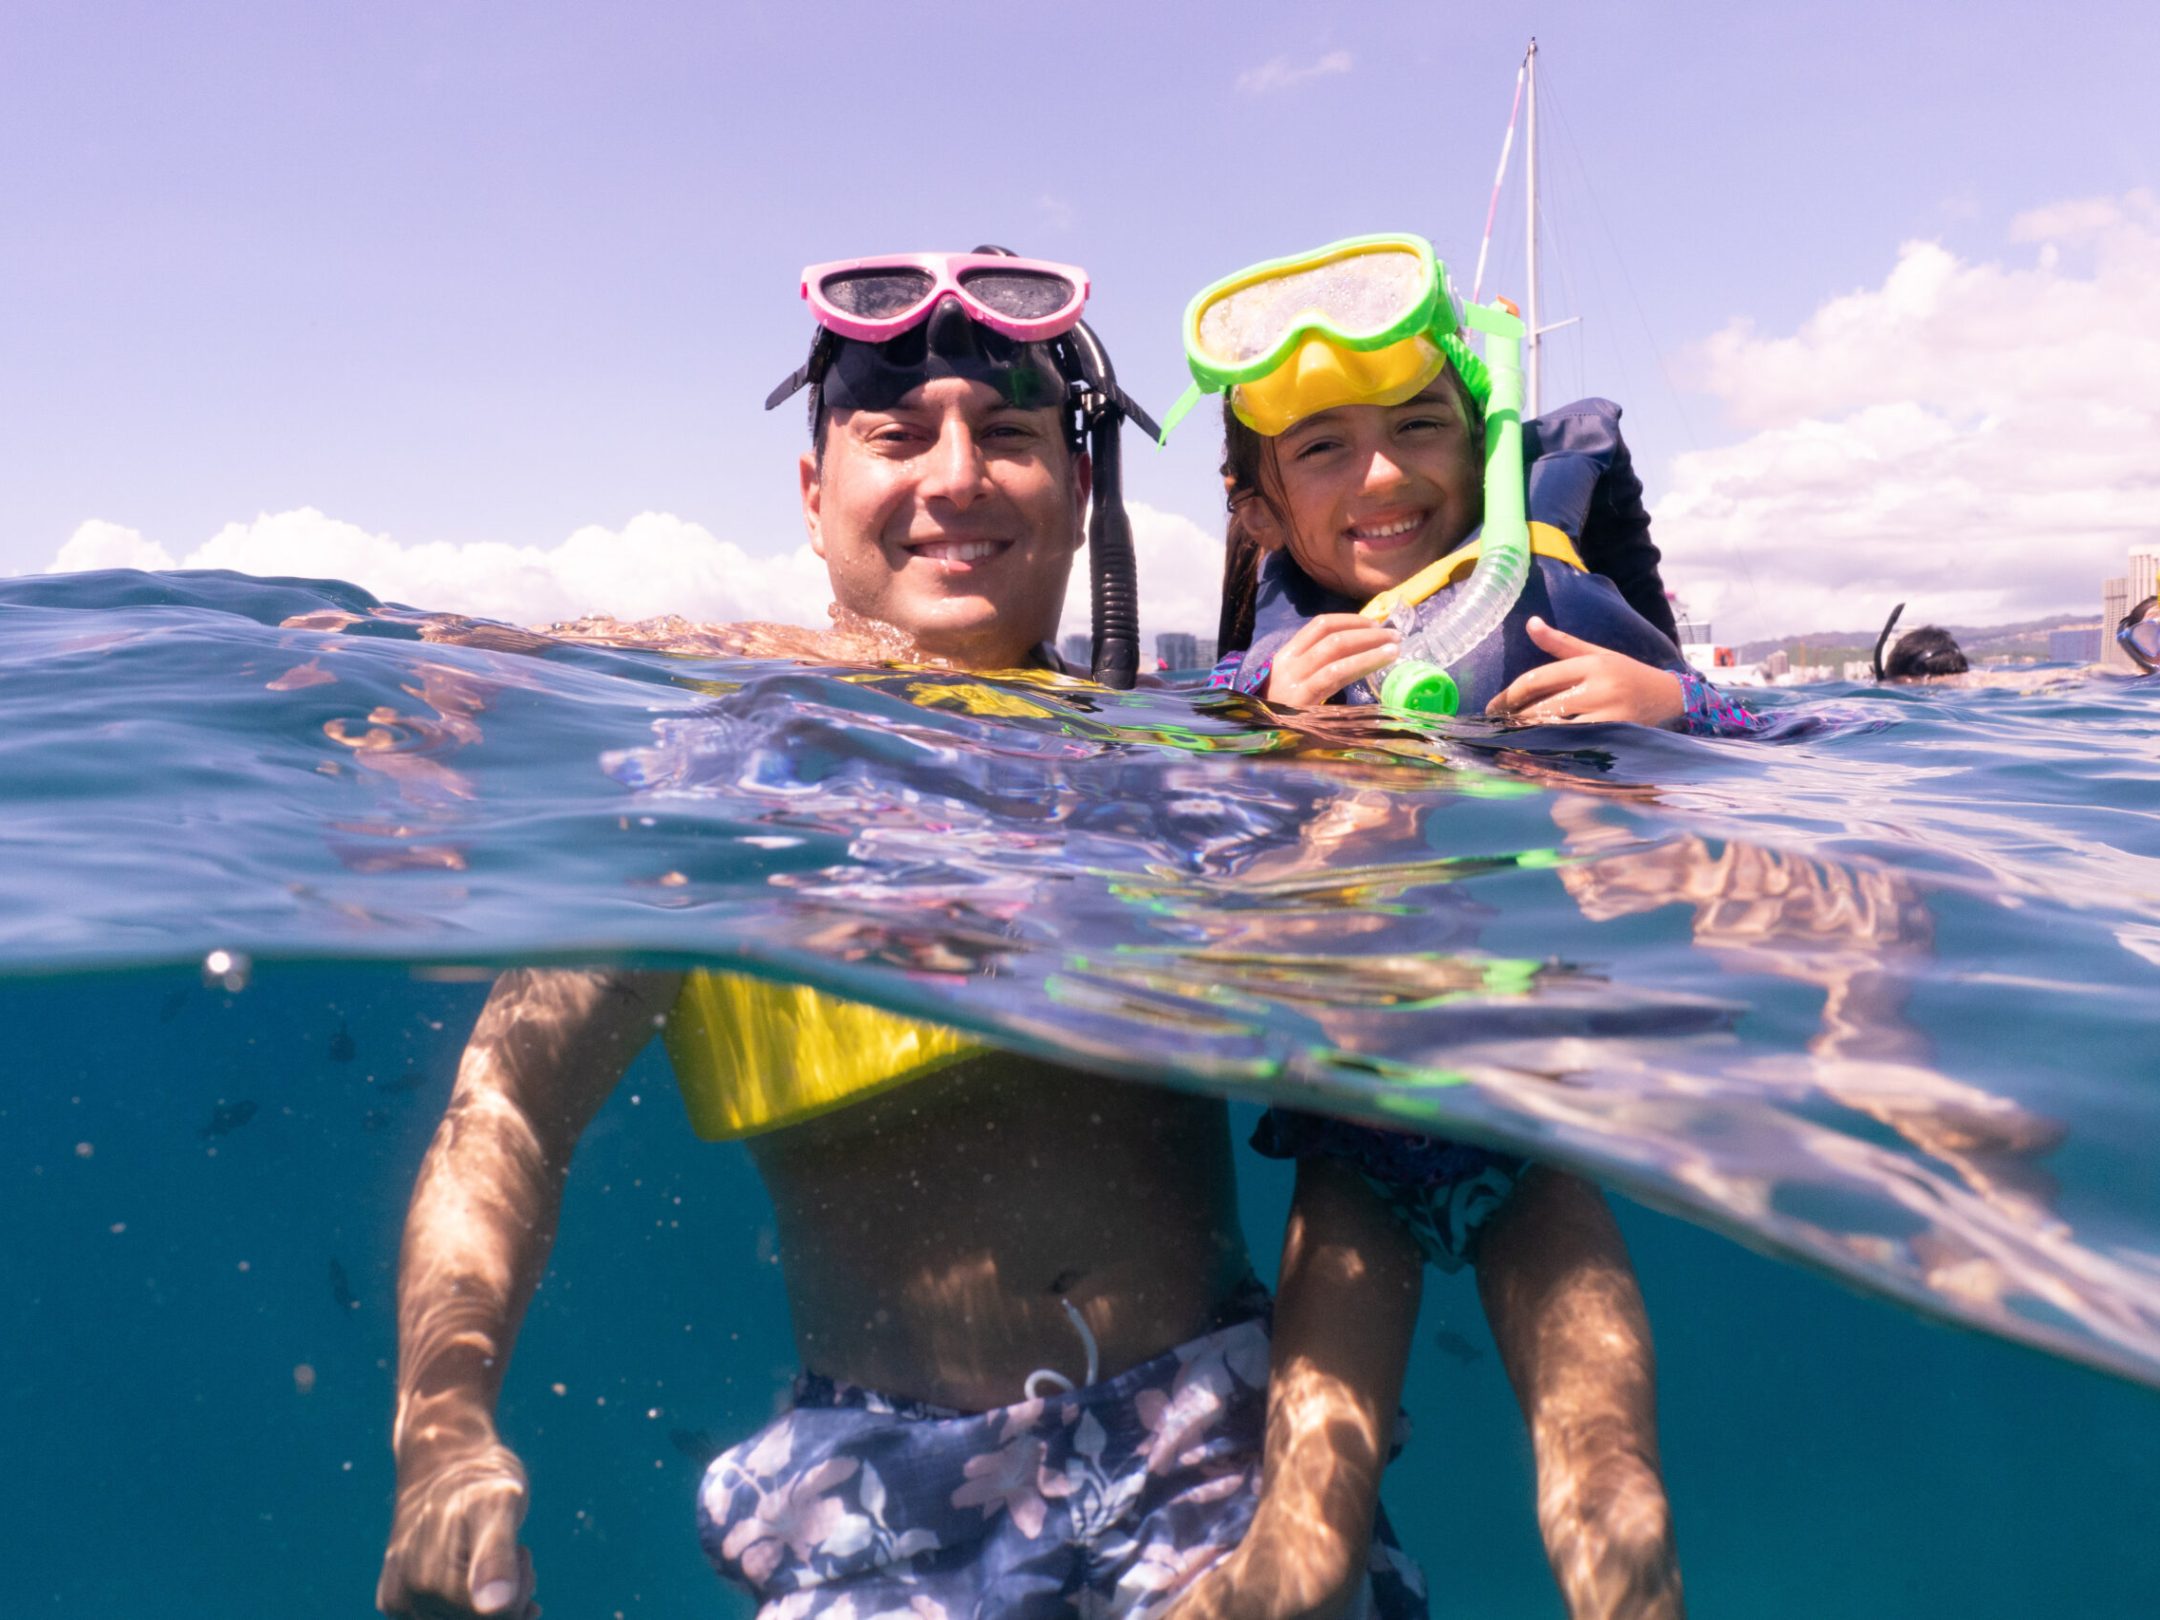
<point x="1326" y="655"/>
<point x="549" y="1047"/>
<point x="454" y="1538"/>
<point x="1587" y="682"/>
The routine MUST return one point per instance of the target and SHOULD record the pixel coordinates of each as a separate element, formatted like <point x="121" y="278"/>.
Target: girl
<point x="1358" y="468"/>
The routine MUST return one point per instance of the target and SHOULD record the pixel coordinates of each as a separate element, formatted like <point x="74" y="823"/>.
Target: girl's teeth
<point x="1383" y="531"/>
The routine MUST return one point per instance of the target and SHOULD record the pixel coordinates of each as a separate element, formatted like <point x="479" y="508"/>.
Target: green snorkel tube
<point x="1418" y="682"/>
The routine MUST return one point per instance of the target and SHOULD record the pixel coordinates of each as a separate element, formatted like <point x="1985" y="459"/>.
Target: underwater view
<point x="1854" y="1021"/>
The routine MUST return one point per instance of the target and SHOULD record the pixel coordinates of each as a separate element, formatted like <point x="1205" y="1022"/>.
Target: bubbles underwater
<point x="1869" y="996"/>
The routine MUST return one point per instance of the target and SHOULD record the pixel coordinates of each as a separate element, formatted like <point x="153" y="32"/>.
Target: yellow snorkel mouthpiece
<point x="1320" y="375"/>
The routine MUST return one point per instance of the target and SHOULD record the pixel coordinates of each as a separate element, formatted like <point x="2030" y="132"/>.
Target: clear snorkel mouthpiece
<point x="1419" y="681"/>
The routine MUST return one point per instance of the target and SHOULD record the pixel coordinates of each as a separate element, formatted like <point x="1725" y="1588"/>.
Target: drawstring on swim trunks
<point x="1050" y="1375"/>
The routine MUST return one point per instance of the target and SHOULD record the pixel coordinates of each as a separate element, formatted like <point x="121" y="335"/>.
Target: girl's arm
<point x="1344" y="1316"/>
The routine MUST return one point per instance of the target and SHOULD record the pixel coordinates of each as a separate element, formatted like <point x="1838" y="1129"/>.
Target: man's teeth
<point x="1383" y="531"/>
<point x="958" y="550"/>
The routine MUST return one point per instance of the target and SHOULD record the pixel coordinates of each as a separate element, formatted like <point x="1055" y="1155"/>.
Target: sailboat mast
<point x="1530" y="302"/>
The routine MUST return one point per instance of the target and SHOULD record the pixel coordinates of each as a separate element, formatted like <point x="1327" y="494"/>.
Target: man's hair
<point x="1250" y="474"/>
<point x="1929" y="650"/>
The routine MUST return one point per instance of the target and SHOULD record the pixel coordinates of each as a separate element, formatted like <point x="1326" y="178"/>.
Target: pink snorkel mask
<point x="873" y="300"/>
<point x="886" y="324"/>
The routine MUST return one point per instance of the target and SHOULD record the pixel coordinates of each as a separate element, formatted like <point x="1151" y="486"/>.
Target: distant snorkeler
<point x="1920" y="655"/>
<point x="1931" y="655"/>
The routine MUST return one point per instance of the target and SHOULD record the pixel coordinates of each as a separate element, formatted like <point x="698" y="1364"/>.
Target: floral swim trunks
<point x="1105" y="1501"/>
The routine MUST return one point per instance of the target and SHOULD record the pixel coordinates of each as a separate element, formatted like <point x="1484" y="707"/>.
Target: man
<point x="1038" y="1379"/>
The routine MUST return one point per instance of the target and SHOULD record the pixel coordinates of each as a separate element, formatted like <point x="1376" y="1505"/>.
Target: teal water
<point x="1868" y="998"/>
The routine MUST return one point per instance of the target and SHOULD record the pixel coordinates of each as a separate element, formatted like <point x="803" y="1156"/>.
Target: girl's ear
<point x="1261" y="522"/>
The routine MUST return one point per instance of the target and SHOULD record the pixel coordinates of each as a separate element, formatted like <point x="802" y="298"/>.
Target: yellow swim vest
<point x="753" y="1056"/>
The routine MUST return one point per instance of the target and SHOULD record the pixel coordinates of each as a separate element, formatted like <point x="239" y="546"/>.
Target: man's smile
<point x="955" y="555"/>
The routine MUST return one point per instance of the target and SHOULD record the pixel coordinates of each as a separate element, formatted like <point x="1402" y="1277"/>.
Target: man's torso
<point x="933" y="1236"/>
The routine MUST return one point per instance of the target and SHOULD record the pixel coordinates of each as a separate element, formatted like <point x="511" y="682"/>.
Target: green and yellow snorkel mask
<point x="1372" y="321"/>
<point x="1368" y="321"/>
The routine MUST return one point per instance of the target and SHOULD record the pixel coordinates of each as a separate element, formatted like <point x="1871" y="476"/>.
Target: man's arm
<point x="1344" y="1316"/>
<point x="548" y="1049"/>
<point x="1568" y="1317"/>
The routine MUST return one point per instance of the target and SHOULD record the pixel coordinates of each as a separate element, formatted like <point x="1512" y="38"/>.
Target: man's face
<point x="953" y="517"/>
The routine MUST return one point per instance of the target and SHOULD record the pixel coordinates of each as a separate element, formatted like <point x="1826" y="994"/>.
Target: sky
<point x="477" y="305"/>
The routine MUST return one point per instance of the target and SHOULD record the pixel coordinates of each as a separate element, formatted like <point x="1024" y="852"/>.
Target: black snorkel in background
<point x="1882" y="640"/>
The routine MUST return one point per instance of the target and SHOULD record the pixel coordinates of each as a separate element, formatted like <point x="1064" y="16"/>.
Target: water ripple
<point x="1873" y="995"/>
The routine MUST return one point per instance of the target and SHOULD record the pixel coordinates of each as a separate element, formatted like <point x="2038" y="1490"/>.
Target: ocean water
<point x="1855" y="1020"/>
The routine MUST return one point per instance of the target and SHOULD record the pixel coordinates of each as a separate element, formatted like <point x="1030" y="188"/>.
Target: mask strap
<point x="788" y="389"/>
<point x="1135" y="415"/>
<point x="1177" y="413"/>
<point x="822" y="344"/>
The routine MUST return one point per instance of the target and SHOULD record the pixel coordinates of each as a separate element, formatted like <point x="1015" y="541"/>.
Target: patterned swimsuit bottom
<point x="1106" y="1501"/>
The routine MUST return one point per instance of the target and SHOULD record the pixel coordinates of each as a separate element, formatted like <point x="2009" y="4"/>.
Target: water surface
<point x="1870" y="997"/>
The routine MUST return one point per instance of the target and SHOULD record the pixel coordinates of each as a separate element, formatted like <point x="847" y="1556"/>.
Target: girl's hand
<point x="1587" y="682"/>
<point x="1326" y="655"/>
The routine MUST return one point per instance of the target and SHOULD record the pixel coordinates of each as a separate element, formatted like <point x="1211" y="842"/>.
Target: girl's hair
<point x="1250" y="473"/>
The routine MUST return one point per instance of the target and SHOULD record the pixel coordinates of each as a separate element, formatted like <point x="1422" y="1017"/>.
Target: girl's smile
<point x="1370" y="494"/>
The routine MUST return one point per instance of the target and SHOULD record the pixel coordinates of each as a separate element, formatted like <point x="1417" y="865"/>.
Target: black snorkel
<point x="844" y="371"/>
<point x="1882" y="640"/>
<point x="1114" y="586"/>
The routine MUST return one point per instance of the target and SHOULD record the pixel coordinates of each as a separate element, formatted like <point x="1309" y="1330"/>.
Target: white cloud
<point x="1056" y="213"/>
<point x="98" y="544"/>
<point x="656" y="563"/>
<point x="1280" y="73"/>
<point x="1179" y="565"/>
<point x="1982" y="439"/>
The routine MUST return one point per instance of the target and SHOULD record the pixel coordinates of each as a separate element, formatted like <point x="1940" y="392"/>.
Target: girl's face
<point x="1373" y="493"/>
